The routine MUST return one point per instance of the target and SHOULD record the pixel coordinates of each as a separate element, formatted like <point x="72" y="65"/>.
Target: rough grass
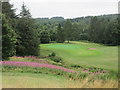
<point x="78" y="53"/>
<point x="29" y="80"/>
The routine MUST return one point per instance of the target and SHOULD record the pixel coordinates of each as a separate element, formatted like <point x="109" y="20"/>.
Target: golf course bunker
<point x="92" y="48"/>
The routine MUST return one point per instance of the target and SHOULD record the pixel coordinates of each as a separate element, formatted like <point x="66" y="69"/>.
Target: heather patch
<point x="92" y="48"/>
<point x="33" y="64"/>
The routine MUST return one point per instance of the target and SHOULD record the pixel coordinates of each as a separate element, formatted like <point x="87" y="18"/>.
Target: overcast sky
<point x="68" y="8"/>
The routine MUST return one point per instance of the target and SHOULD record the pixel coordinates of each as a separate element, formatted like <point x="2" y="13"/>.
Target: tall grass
<point x="24" y="81"/>
<point x="95" y="84"/>
<point x="71" y="80"/>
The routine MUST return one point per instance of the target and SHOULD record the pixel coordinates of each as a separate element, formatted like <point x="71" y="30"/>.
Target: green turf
<point x="78" y="53"/>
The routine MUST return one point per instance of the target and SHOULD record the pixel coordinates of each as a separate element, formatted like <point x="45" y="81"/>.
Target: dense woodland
<point x="100" y="29"/>
<point x="22" y="34"/>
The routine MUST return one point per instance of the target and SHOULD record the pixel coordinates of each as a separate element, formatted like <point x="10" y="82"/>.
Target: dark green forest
<point x="22" y="34"/>
<point x="100" y="29"/>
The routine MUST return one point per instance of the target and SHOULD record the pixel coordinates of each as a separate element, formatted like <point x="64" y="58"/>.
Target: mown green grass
<point x="78" y="53"/>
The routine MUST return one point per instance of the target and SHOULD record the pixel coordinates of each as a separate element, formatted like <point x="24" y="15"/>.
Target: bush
<point x="56" y="59"/>
<point x="52" y="54"/>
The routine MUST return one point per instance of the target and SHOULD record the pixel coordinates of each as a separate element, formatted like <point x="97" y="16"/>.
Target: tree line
<point x="98" y="29"/>
<point x="19" y="34"/>
<point x="22" y="34"/>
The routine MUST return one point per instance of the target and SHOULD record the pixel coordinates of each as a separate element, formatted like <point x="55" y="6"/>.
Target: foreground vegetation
<point x="30" y="80"/>
<point x="32" y="77"/>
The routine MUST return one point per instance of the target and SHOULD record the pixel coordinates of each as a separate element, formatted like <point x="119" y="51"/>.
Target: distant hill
<point x="50" y="21"/>
<point x="58" y="18"/>
<point x="78" y="19"/>
<point x="88" y="18"/>
<point x="42" y="18"/>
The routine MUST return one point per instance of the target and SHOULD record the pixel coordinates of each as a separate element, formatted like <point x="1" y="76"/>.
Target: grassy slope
<point x="79" y="54"/>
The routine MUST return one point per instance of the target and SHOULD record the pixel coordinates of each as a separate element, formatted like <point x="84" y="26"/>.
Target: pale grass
<point x="27" y="82"/>
<point x="95" y="84"/>
<point x="0" y="81"/>
<point x="106" y="84"/>
<point x="36" y="82"/>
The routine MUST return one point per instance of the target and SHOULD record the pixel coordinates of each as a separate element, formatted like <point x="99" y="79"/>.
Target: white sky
<point x="68" y="8"/>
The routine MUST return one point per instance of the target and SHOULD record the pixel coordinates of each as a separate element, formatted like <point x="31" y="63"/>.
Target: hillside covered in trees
<point x="100" y="29"/>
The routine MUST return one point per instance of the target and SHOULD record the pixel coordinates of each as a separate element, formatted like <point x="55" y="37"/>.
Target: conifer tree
<point x="8" y="33"/>
<point x="8" y="39"/>
<point x="28" y="38"/>
<point x="60" y="34"/>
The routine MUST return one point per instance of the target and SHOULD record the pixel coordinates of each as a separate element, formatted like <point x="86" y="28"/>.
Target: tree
<point x="28" y="38"/>
<point x="118" y="27"/>
<point x="44" y="37"/>
<point x="93" y="27"/>
<point x="112" y="33"/>
<point x="104" y="30"/>
<point x="53" y="35"/>
<point x="8" y="11"/>
<point x="68" y="30"/>
<point x="60" y="34"/>
<point x="25" y="12"/>
<point x="8" y="33"/>
<point x="77" y="30"/>
<point x="8" y="39"/>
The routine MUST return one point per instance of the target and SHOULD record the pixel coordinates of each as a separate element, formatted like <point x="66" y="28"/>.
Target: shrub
<point x="52" y="54"/>
<point x="56" y="59"/>
<point x="76" y="66"/>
